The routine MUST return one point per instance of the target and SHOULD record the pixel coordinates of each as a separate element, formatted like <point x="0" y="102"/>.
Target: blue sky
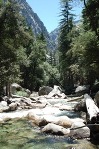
<point x="48" y="11"/>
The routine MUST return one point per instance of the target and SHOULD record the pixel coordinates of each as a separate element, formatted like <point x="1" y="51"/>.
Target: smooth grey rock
<point x="45" y="90"/>
<point x="79" y="131"/>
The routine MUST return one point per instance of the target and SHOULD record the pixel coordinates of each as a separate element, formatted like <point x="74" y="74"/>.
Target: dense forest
<point x="25" y="59"/>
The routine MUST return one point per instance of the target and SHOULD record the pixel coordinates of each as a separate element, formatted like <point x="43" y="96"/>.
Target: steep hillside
<point x="55" y="34"/>
<point x="34" y="21"/>
<point x="54" y="37"/>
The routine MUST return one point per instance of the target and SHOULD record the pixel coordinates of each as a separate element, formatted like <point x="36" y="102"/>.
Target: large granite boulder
<point x="57" y="93"/>
<point x="79" y="130"/>
<point x="81" y="90"/>
<point x="45" y="90"/>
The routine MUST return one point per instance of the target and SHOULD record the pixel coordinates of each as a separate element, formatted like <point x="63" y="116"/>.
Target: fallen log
<point x="92" y="109"/>
<point x="75" y="98"/>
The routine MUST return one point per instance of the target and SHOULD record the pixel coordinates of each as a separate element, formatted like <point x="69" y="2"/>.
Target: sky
<point x="49" y="11"/>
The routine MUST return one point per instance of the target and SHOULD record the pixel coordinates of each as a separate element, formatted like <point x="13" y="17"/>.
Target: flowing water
<point x="19" y="134"/>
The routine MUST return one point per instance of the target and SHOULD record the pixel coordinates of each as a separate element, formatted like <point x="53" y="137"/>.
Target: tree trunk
<point x="8" y="91"/>
<point x="92" y="109"/>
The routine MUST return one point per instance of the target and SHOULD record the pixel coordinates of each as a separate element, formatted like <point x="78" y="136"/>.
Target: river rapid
<point x="17" y="132"/>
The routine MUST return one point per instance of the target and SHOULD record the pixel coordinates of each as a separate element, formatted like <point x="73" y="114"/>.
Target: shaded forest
<point x="25" y="59"/>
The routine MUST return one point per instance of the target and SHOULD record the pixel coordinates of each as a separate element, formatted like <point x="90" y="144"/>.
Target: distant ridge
<point x="33" y="21"/>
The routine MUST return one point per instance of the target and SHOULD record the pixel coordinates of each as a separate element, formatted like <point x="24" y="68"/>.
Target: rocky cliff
<point x="33" y="20"/>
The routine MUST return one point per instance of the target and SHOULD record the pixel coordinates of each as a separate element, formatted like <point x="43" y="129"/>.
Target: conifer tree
<point x="33" y="73"/>
<point x="12" y="37"/>
<point x="66" y="25"/>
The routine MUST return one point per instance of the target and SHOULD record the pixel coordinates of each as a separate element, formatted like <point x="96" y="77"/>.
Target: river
<point x="20" y="134"/>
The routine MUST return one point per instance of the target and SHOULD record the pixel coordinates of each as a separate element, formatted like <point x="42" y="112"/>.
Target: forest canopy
<point x="23" y="57"/>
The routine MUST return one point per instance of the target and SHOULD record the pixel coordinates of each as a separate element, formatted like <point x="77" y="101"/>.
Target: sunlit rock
<point x="55" y="129"/>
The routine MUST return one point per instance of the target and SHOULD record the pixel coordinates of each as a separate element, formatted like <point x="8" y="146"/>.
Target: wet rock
<point x="80" y="106"/>
<point x="74" y="120"/>
<point x="13" y="106"/>
<point x="64" y="121"/>
<point x="34" y="96"/>
<point x="83" y="115"/>
<point x="37" y="120"/>
<point x="39" y="105"/>
<point x="79" y="131"/>
<point x="3" y="106"/>
<point x="55" y="129"/>
<point x="1" y="120"/>
<point x="65" y="107"/>
<point x="82" y="144"/>
<point x="43" y="100"/>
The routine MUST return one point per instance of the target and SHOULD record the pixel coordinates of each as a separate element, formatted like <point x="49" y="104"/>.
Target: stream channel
<point x="20" y="134"/>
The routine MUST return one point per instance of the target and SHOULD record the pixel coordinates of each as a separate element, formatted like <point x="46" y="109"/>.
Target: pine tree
<point x="91" y="16"/>
<point x="12" y="37"/>
<point x="66" y="25"/>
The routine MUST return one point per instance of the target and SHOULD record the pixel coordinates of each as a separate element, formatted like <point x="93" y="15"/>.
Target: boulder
<point x="57" y="93"/>
<point x="1" y="120"/>
<point x="96" y="99"/>
<point x="79" y="130"/>
<point x="80" y="106"/>
<point x="64" y="121"/>
<point x="65" y="107"/>
<point x="55" y="129"/>
<point x="43" y="100"/>
<point x="7" y="99"/>
<point x="15" y="87"/>
<point x="77" y="120"/>
<point x="36" y="120"/>
<point x="28" y="92"/>
<point x="3" y="106"/>
<point x="81" y="90"/>
<point x="13" y="106"/>
<point x="34" y="96"/>
<point x="45" y="90"/>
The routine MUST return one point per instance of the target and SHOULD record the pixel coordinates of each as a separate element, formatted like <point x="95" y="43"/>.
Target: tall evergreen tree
<point x="91" y="15"/>
<point x="85" y="47"/>
<point x="66" y="25"/>
<point x="12" y="36"/>
<point x="91" y="24"/>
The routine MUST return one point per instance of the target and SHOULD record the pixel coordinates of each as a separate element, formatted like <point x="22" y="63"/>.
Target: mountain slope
<point x="34" y="21"/>
<point x="54" y="37"/>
